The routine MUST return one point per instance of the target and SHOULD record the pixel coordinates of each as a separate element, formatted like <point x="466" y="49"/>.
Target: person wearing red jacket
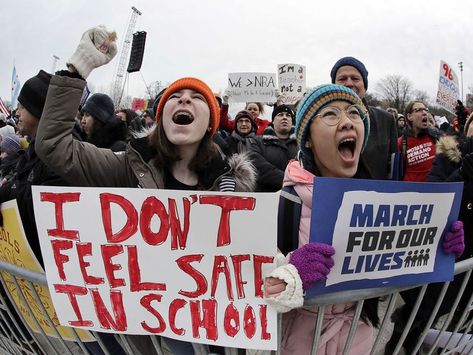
<point x="256" y="108"/>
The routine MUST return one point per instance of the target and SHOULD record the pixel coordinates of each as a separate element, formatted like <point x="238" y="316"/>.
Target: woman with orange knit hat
<point x="178" y="154"/>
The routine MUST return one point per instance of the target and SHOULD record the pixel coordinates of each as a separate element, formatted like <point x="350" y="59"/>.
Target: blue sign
<point x="385" y="233"/>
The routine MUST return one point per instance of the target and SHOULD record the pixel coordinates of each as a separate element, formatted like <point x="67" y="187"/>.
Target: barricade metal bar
<point x="386" y="318"/>
<point x="8" y="333"/>
<point x="23" y="299"/>
<point x="126" y="345"/>
<point x="465" y="311"/>
<point x="79" y="342"/>
<point x="16" y="338"/>
<point x="20" y="315"/>
<point x="278" y="351"/>
<point x="199" y="349"/>
<point x="317" y="329"/>
<point x="100" y="342"/>
<point x="157" y="346"/>
<point x="432" y="316"/>
<point x="410" y="321"/>
<point x="36" y="277"/>
<point x="354" y="326"/>
<point x="452" y="312"/>
<point x="48" y="318"/>
<point x="459" y="345"/>
<point x="9" y="345"/>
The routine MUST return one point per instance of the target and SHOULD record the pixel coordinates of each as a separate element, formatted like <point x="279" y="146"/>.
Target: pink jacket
<point x="299" y="324"/>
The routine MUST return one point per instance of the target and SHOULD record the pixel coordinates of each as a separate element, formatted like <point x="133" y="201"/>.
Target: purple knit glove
<point x="313" y="261"/>
<point x="454" y="241"/>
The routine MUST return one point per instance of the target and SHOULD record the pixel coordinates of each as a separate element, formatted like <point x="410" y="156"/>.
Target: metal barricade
<point x="451" y="336"/>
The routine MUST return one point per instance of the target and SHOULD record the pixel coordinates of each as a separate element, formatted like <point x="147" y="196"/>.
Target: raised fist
<point x="96" y="48"/>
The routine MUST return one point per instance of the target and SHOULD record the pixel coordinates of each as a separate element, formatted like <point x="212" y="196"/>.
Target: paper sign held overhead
<point x="292" y="82"/>
<point x="252" y="87"/>
<point x="448" y="92"/>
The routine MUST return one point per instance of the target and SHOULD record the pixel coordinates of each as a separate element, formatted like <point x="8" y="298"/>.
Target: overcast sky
<point x="210" y="38"/>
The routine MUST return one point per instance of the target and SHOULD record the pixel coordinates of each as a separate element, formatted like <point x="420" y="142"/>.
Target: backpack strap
<point x="289" y="217"/>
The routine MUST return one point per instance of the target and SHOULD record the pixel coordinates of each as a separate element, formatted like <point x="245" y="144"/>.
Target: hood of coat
<point x="448" y="146"/>
<point x="302" y="180"/>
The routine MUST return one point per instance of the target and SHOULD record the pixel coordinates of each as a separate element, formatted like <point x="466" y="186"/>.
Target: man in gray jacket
<point x="382" y="141"/>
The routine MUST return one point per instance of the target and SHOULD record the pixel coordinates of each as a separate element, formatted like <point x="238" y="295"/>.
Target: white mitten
<point x="226" y="95"/>
<point x="293" y="296"/>
<point x="96" y="48"/>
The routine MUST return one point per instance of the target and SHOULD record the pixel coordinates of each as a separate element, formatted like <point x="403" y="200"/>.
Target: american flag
<point x="3" y="108"/>
<point x="15" y="88"/>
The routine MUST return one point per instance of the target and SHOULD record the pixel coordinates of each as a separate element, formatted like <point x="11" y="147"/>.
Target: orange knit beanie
<point x="198" y="86"/>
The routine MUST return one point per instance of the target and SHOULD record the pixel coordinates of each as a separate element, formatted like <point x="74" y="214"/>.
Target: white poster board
<point x="181" y="264"/>
<point x="292" y="82"/>
<point x="448" y="92"/>
<point x="252" y="87"/>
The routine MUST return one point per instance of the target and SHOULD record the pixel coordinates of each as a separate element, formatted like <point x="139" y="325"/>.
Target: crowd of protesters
<point x="186" y="140"/>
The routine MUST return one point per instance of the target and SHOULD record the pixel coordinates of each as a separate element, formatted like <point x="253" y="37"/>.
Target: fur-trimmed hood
<point x="449" y="146"/>
<point x="243" y="171"/>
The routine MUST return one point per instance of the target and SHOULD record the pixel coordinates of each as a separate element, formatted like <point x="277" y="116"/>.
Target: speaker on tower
<point x="137" y="51"/>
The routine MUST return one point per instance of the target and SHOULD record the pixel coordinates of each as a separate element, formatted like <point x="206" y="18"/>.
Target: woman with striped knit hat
<point x="332" y="128"/>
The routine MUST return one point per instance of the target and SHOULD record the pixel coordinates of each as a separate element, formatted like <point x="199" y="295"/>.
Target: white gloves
<point x="226" y="95"/>
<point x="96" y="48"/>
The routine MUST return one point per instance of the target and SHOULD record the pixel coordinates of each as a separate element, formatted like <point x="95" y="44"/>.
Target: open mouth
<point x="347" y="148"/>
<point x="183" y="118"/>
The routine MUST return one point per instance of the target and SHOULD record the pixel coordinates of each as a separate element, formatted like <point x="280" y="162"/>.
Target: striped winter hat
<point x="318" y="98"/>
<point x="197" y="86"/>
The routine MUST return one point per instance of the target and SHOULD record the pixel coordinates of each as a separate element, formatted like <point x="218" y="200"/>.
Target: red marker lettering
<point x="228" y="204"/>
<point x="59" y="199"/>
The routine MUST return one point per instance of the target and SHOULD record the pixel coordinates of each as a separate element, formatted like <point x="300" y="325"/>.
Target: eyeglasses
<point x="332" y="115"/>
<point x="420" y="109"/>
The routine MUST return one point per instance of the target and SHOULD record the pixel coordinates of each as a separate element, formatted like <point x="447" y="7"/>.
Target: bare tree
<point x="154" y="88"/>
<point x="420" y="95"/>
<point x="372" y="100"/>
<point x="396" y="90"/>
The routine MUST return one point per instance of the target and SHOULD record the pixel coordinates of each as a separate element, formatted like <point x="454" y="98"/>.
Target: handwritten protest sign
<point x="385" y="233"/>
<point x="182" y="264"/>
<point x="448" y="92"/>
<point x="292" y="82"/>
<point x="256" y="87"/>
<point x="15" y="249"/>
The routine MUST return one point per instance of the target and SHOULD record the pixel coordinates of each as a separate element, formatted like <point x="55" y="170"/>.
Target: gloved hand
<point x="96" y="48"/>
<point x="454" y="241"/>
<point x="313" y="262"/>
<point x="226" y="95"/>
<point x="467" y="167"/>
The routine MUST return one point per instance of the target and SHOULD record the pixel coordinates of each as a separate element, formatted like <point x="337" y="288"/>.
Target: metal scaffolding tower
<point x="118" y="86"/>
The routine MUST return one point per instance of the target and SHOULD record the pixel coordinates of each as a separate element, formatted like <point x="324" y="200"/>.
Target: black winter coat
<point x="270" y="156"/>
<point x="30" y="171"/>
<point x="112" y="136"/>
<point x="446" y="167"/>
<point x="382" y="142"/>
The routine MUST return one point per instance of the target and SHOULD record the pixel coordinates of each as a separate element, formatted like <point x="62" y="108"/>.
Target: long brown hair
<point x="167" y="153"/>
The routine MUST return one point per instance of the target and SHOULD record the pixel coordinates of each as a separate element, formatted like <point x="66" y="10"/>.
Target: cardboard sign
<point x="15" y="249"/>
<point x="252" y="87"/>
<point x="181" y="264"/>
<point x="448" y="92"/>
<point x="385" y="233"/>
<point x="292" y="82"/>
